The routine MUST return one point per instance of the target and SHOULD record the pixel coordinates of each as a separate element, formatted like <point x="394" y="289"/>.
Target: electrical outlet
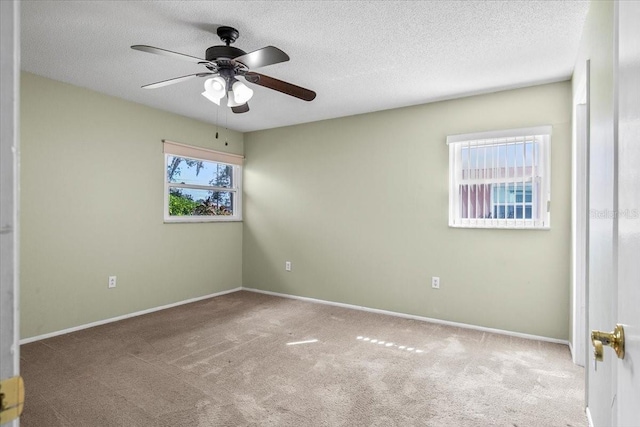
<point x="287" y="265"/>
<point x="112" y="281"/>
<point x="435" y="282"/>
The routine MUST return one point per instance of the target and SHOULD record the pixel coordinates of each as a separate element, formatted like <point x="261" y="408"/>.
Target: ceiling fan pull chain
<point x="226" y="126"/>
<point x="217" y="112"/>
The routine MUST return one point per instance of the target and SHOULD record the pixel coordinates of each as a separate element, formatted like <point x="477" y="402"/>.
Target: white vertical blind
<point x="500" y="179"/>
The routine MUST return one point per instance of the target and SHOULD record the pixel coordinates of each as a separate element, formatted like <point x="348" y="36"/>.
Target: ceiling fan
<point x="224" y="64"/>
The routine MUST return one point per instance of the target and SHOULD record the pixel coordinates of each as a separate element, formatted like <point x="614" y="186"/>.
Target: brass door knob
<point x="613" y="339"/>
<point x="598" y="351"/>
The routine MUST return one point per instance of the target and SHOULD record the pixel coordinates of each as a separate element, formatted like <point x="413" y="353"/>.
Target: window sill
<point x="502" y="227"/>
<point x="197" y="219"/>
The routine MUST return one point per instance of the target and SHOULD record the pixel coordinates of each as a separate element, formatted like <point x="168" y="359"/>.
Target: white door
<point x="614" y="232"/>
<point x="9" y="77"/>
<point x="627" y="382"/>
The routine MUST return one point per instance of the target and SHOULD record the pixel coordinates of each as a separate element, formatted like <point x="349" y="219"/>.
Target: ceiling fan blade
<point x="262" y="57"/>
<point x="165" y="52"/>
<point x="174" y="80"/>
<point x="280" y="86"/>
<point x="240" y="108"/>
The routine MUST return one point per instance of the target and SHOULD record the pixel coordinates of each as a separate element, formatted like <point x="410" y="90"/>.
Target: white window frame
<point x="539" y="175"/>
<point x="175" y="149"/>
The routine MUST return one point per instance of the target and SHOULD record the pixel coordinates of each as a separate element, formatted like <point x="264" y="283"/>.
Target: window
<point x="500" y="179"/>
<point x="201" y="185"/>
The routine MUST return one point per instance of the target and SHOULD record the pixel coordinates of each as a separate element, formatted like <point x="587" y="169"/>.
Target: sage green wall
<point x="359" y="205"/>
<point x="91" y="206"/>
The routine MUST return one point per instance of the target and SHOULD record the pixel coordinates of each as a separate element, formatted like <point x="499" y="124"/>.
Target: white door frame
<point x="9" y="174"/>
<point x="580" y="220"/>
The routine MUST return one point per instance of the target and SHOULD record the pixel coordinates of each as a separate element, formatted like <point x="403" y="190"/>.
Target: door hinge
<point x="11" y="399"/>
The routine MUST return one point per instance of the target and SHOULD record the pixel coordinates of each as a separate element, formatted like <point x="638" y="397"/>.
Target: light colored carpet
<point x="230" y="361"/>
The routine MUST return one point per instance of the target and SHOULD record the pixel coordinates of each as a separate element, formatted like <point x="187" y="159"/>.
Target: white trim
<point x="413" y="317"/>
<point x="307" y="299"/>
<point x="512" y="224"/>
<point x="579" y="225"/>
<point x="203" y="187"/>
<point x="194" y="218"/>
<point x="124" y="316"/>
<point x="497" y="134"/>
<point x="589" y="419"/>
<point x="10" y="191"/>
<point x="571" y="352"/>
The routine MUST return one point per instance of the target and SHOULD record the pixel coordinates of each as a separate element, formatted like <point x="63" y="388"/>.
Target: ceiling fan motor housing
<point x="223" y="52"/>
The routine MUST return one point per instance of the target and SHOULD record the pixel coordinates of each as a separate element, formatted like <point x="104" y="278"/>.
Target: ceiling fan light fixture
<point x="217" y="84"/>
<point x="211" y="97"/>
<point x="214" y="89"/>
<point x="241" y="93"/>
<point x="231" y="102"/>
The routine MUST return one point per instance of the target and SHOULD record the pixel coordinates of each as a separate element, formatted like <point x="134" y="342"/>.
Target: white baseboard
<point x="573" y="358"/>
<point x="589" y="419"/>
<point x="124" y="316"/>
<point x="414" y="317"/>
<point x="313" y="300"/>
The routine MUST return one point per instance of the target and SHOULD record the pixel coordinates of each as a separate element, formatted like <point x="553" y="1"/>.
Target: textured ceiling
<point x="359" y="56"/>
